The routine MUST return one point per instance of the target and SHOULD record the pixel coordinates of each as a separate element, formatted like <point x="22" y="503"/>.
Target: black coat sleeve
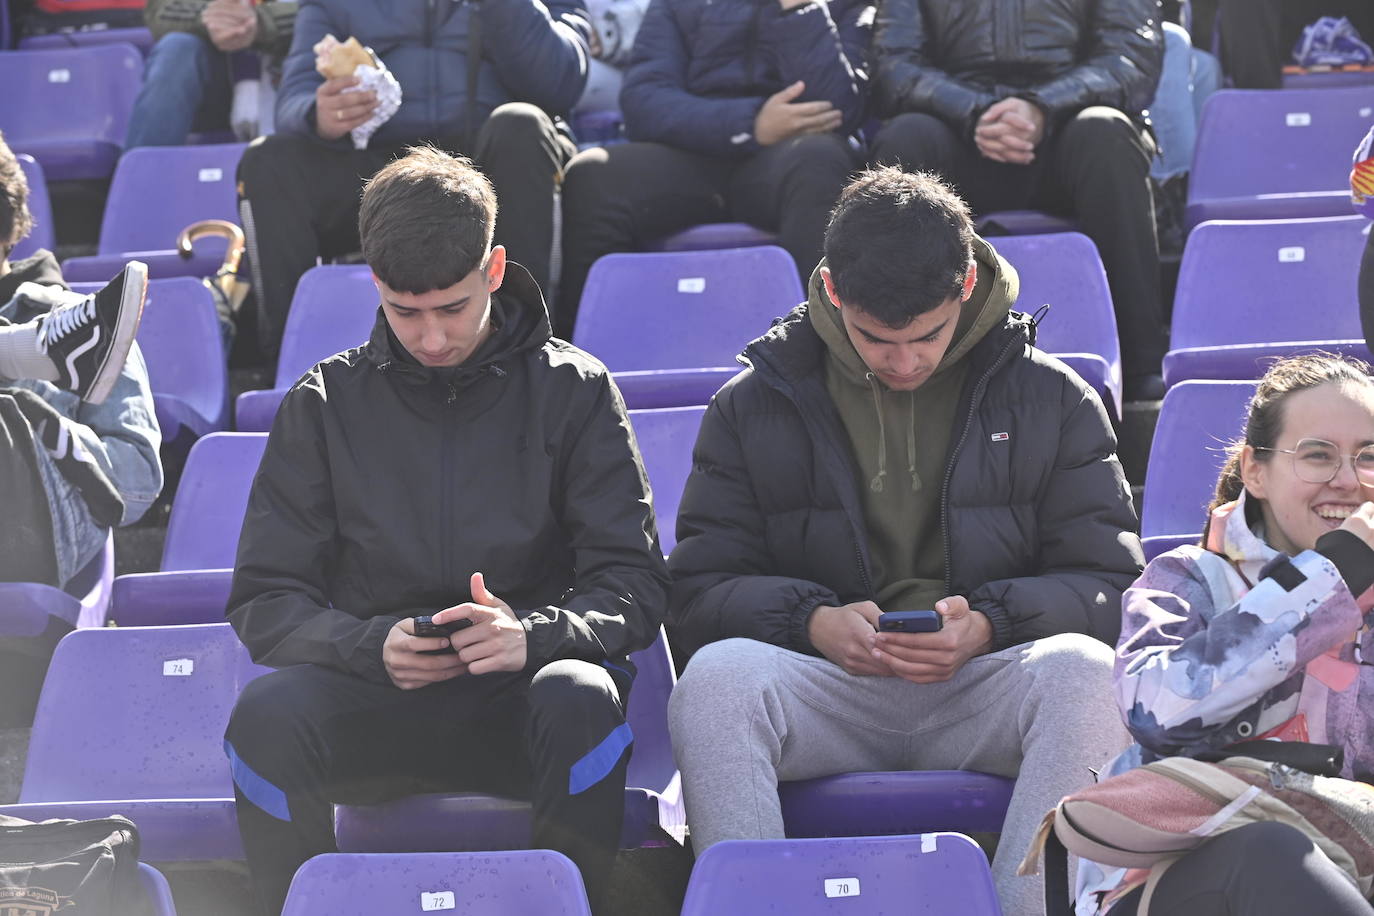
<point x="618" y="598"/>
<point x="906" y="78"/>
<point x="720" y="585"/>
<point x="277" y="603"/>
<point x="1088" y="552"/>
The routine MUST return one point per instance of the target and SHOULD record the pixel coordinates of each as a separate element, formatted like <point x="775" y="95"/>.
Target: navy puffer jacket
<point x="531" y="52"/>
<point x="701" y="69"/>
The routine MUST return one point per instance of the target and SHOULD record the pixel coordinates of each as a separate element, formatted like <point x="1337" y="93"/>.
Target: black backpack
<point x="81" y="868"/>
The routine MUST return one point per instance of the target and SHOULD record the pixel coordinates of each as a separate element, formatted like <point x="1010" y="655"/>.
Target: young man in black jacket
<point x="1039" y="104"/>
<point x="465" y="465"/>
<point x="898" y="444"/>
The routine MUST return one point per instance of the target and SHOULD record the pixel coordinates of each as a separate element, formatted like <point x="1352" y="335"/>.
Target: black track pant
<point x="1095" y="167"/>
<point x="305" y="737"/>
<point x="1264" y="869"/>
<point x="302" y="201"/>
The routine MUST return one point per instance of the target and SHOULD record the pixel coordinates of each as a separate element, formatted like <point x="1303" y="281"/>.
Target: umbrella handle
<point x="208" y="228"/>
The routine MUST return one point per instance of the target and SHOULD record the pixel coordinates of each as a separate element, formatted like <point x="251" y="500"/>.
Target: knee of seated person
<point x="177" y="48"/>
<point x="264" y="711"/>
<point x="1104" y="127"/>
<point x="908" y="138"/>
<point x="820" y="153"/>
<point x="734" y="666"/>
<point x="1075" y="656"/>
<point x="1266" y="844"/>
<point x="517" y="122"/>
<point x="560" y="688"/>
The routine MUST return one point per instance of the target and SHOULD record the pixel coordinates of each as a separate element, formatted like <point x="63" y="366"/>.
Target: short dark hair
<point x="898" y="244"/>
<point x="15" y="220"/>
<point x="426" y="220"/>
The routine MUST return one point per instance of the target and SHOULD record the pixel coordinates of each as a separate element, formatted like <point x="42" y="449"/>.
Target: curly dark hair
<point x="15" y="220"/>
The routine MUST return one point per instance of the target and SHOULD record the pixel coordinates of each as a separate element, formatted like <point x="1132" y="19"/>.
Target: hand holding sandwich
<point x="337" y="109"/>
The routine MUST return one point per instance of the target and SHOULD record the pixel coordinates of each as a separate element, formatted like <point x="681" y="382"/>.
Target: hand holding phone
<point x="425" y="626"/>
<point x="910" y="622"/>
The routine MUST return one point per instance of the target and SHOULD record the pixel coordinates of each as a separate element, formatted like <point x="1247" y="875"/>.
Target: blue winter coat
<point x="531" y="52"/>
<point x="701" y="69"/>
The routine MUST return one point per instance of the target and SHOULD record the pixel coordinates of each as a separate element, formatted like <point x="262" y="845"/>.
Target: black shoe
<point x="89" y="340"/>
<point x="1149" y="387"/>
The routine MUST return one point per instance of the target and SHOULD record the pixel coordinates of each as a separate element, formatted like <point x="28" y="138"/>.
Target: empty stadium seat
<point x="28" y="608"/>
<point x="670" y="324"/>
<point x="131" y="721"/>
<point x="202" y="538"/>
<point x="1254" y="290"/>
<point x="933" y="874"/>
<point x="1266" y="154"/>
<point x="1197" y="421"/>
<point x="465" y="822"/>
<point x="536" y="881"/>
<point x="666" y="437"/>
<point x="43" y="234"/>
<point x="156" y="192"/>
<point x="887" y="804"/>
<point x="333" y="309"/>
<point x="140" y="38"/>
<point x="1063" y="270"/>
<point x="714" y="236"/>
<point x="69" y="109"/>
<point x="179" y="336"/>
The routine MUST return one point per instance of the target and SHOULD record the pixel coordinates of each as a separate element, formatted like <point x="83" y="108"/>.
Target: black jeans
<point x="299" y="200"/>
<point x="305" y="737"/>
<point x="1095" y="167"/>
<point x="1257" y="36"/>
<point x="621" y="197"/>
<point x="1265" y="869"/>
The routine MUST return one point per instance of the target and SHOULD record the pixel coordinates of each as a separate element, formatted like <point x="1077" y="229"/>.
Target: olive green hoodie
<point x="901" y="439"/>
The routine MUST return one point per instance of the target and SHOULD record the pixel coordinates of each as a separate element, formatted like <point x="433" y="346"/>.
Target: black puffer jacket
<point x="386" y="484"/>
<point x="954" y="58"/>
<point x="1036" y="512"/>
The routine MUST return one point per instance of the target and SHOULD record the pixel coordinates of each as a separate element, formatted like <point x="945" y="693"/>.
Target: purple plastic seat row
<point x="891" y="803"/>
<point x="69" y="108"/>
<point x="1251" y="291"/>
<point x="140" y="38"/>
<point x="27" y="608"/>
<point x="933" y="874"/>
<point x="43" y="233"/>
<point x="473" y="884"/>
<point x="131" y="721"/>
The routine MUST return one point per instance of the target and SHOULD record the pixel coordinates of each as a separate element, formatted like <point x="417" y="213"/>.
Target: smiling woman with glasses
<point x="1257" y="633"/>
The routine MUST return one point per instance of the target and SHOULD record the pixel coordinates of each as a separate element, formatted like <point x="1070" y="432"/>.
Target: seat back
<point x="683" y="309"/>
<point x="1276" y="148"/>
<point x="137" y="713"/>
<point x="157" y="191"/>
<point x="77" y="94"/>
<point x="43" y="234"/>
<point x="1197" y="422"/>
<point x="333" y="309"/>
<point x="651" y="764"/>
<point x="666" y="437"/>
<point x="207" y="514"/>
<point x="462" y="884"/>
<point x="931" y="874"/>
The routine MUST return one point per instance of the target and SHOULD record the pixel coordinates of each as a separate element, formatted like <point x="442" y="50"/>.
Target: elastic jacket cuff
<point x="1352" y="557"/>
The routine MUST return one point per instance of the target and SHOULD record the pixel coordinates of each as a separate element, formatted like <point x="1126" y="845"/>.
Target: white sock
<point x="20" y="357"/>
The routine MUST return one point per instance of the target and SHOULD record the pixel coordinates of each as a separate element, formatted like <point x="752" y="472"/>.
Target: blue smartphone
<point x="910" y="622"/>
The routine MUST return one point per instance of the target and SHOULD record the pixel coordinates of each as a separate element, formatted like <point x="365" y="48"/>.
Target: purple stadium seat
<point x="467" y="822"/>
<point x="69" y="109"/>
<point x="1265" y="154"/>
<point x="333" y="309"/>
<point x="156" y="192"/>
<point x="202" y="538"/>
<point x="713" y="236"/>
<point x="666" y="437"/>
<point x="1022" y="222"/>
<point x="670" y="324"/>
<point x="43" y="234"/>
<point x="157" y="889"/>
<point x="179" y="336"/>
<point x="1197" y="421"/>
<point x="474" y="884"/>
<point x="131" y="721"/>
<point x="1328" y="79"/>
<point x="26" y="608"/>
<point x="140" y="38"/>
<point x="1064" y="271"/>
<point x="1255" y="290"/>
<point x="933" y="874"/>
<point x="887" y="804"/>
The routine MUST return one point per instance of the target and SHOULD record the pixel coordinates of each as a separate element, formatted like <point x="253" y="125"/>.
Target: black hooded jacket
<point x="1038" y="526"/>
<point x="386" y="484"/>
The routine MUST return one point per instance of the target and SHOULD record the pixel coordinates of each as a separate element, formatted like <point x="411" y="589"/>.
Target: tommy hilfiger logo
<point x="1000" y="437"/>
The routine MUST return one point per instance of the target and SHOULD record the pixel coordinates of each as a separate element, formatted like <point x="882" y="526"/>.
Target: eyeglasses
<point x="1319" y="461"/>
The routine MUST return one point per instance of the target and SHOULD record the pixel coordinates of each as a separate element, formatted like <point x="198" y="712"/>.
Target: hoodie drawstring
<point x="879" y="480"/>
<point x="911" y="447"/>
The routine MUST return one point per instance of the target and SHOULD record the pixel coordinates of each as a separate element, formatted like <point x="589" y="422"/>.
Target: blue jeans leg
<point x="183" y="70"/>
<point x="1172" y="109"/>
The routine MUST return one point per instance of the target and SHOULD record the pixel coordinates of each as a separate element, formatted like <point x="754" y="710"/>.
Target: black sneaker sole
<point x="131" y="299"/>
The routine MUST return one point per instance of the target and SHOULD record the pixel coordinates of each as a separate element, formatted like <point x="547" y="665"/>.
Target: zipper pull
<point x="452" y="393"/>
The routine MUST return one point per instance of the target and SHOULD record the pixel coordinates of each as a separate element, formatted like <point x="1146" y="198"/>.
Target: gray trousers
<point x="748" y="714"/>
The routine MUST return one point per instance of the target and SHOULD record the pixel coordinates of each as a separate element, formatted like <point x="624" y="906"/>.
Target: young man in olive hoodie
<point x="897" y="443"/>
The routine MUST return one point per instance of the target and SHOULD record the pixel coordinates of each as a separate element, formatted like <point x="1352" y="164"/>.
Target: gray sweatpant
<point x="748" y="714"/>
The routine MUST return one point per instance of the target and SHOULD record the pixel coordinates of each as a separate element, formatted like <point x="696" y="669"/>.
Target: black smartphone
<point x="910" y="622"/>
<point x="425" y="626"/>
